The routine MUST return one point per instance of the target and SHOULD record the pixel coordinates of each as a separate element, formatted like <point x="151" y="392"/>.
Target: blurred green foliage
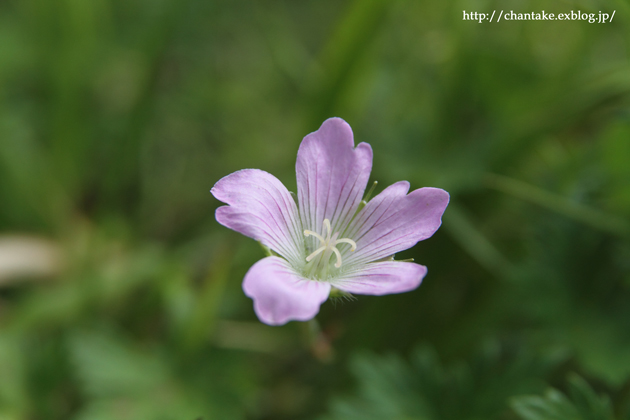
<point x="583" y="404"/>
<point x="120" y="294"/>
<point x="391" y="389"/>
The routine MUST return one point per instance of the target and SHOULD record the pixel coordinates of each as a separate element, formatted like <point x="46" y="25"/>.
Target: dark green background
<point x="118" y="116"/>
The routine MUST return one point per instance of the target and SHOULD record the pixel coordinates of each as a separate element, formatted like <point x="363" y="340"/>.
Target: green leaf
<point x="391" y="388"/>
<point x="583" y="404"/>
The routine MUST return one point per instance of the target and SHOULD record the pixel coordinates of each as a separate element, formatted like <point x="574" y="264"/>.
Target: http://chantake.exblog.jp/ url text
<point x="542" y="15"/>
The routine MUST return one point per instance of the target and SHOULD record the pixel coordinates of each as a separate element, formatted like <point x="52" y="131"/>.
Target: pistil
<point x="329" y="244"/>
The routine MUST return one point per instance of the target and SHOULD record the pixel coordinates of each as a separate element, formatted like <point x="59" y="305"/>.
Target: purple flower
<point x="333" y="240"/>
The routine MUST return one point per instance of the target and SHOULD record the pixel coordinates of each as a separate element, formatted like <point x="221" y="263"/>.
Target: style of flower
<point x="331" y="239"/>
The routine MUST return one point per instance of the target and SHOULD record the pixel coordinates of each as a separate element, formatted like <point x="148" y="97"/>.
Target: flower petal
<point x="382" y="278"/>
<point x="262" y="208"/>
<point x="280" y="295"/>
<point x="331" y="175"/>
<point x="394" y="221"/>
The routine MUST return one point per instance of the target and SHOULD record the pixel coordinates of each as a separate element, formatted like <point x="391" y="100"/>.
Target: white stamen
<point x="336" y="251"/>
<point x="314" y="254"/>
<point x="348" y="241"/>
<point x="328" y="228"/>
<point x="309" y="233"/>
<point x="329" y="243"/>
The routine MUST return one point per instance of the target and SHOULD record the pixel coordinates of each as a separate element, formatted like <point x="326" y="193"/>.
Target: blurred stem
<point x="253" y="336"/>
<point x="204" y="316"/>
<point x="595" y="91"/>
<point x="317" y="341"/>
<point x="35" y="182"/>
<point x="622" y="403"/>
<point x="313" y="331"/>
<point x="562" y="205"/>
<point x="624" y="8"/>
<point x="286" y="49"/>
<point x="340" y="57"/>
<point x="464" y="232"/>
<point x="122" y="175"/>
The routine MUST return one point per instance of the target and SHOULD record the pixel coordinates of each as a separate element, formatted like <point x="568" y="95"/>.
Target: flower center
<point x="329" y="244"/>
